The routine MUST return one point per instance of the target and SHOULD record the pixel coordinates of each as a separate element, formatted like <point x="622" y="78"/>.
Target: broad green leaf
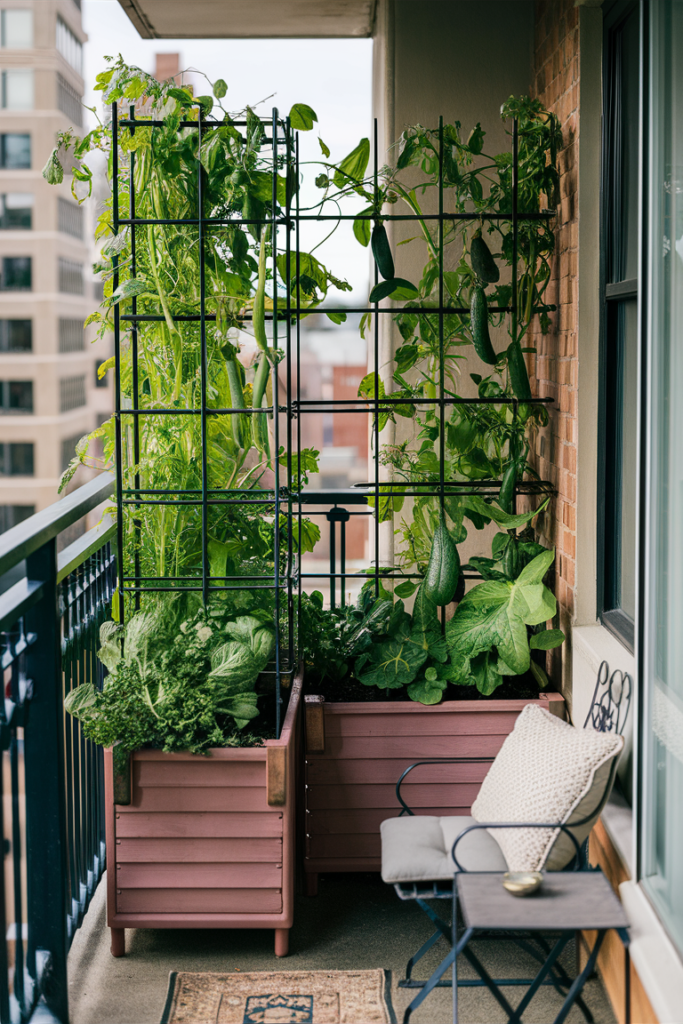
<point x="301" y="118"/>
<point x="393" y="664"/>
<point x="537" y="568"/>
<point x="485" y="673"/>
<point x="233" y="662"/>
<point x="406" y="589"/>
<point x="494" y="512"/>
<point x="397" y="287"/>
<point x="81" y="702"/>
<point x="539" y="675"/>
<point x="475" y="141"/>
<point x="534" y="603"/>
<point x="546" y="640"/>
<point x="218" y="558"/>
<point x="427" y="691"/>
<point x="362" y="229"/>
<point x="513" y="645"/>
<point x="354" y="165"/>
<point x="129" y="289"/>
<point x="220" y="88"/>
<point x="325" y="149"/>
<point x="53" y="172"/>
<point x="426" y="628"/>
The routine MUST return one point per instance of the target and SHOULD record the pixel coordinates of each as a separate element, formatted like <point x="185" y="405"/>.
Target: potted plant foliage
<point x="199" y="709"/>
<point x="387" y="687"/>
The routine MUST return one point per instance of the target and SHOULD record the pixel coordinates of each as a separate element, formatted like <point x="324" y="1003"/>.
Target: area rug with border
<point x="279" y="997"/>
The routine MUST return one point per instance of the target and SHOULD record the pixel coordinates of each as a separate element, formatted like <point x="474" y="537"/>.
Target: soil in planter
<point x="349" y="690"/>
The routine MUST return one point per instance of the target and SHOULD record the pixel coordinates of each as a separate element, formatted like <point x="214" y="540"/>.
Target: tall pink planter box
<point x="355" y="754"/>
<point x="206" y="842"/>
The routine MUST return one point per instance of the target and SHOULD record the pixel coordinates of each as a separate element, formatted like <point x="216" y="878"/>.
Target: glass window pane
<point x="622" y="444"/>
<point x="15" y="210"/>
<point x="16" y="151"/>
<point x="17" y="29"/>
<point x="16" y="273"/>
<point x="663" y="600"/>
<point x="17" y="90"/>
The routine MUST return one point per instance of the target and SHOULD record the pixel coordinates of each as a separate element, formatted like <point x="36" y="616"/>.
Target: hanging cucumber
<point x="506" y="495"/>
<point x="479" y="324"/>
<point x="443" y="570"/>
<point x="519" y="378"/>
<point x="381" y="250"/>
<point x="483" y="263"/>
<point x="237" y="424"/>
<point x="259" y="422"/>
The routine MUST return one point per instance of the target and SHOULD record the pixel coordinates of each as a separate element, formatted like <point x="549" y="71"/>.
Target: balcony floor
<point x="356" y="922"/>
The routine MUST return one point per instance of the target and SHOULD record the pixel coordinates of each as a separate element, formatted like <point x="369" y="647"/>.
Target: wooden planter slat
<point x="205" y="841"/>
<point x="355" y="754"/>
<point x="223" y="902"/>
<point x="187" y="851"/>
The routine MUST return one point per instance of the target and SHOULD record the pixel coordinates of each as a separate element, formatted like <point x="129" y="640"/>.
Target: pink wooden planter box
<point x="355" y="754"/>
<point x="206" y="842"/>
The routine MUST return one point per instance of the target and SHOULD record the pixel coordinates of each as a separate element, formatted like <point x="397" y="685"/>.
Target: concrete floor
<point x="355" y="922"/>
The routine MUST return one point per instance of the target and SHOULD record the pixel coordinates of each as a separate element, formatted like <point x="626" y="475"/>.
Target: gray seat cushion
<point x="418" y="848"/>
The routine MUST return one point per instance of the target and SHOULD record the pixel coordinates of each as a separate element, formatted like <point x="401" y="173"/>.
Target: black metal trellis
<point x="285" y="498"/>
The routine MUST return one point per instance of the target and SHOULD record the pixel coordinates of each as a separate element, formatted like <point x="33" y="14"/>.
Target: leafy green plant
<point x="177" y="683"/>
<point x="482" y="442"/>
<point x="161" y="172"/>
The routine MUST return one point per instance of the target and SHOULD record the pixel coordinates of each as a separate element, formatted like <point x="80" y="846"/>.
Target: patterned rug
<point x="280" y="997"/>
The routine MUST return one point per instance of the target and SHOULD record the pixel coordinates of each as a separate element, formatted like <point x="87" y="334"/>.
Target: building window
<point x="16" y="274"/>
<point x="71" y="393"/>
<point x="70" y="277"/>
<point x="16" y="459"/>
<point x="71" y="336"/>
<point x="16" y="211"/>
<point x="69" y="101"/>
<point x="15" y="151"/>
<point x="12" y="515"/>
<point x="619" y="330"/>
<point x="662" y="596"/>
<point x="17" y="89"/>
<point x="69" y="450"/>
<point x="16" y="29"/>
<point x="69" y="218"/>
<point x="69" y="46"/>
<point x="16" y="335"/>
<point x="16" y="396"/>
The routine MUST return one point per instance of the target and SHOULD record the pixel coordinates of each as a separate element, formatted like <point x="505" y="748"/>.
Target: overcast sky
<point x="332" y="76"/>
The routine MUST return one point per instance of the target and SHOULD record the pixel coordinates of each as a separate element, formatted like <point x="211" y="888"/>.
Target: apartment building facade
<point x="49" y="393"/>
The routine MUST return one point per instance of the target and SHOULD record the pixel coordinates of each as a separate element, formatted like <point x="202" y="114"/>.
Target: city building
<point x="50" y="395"/>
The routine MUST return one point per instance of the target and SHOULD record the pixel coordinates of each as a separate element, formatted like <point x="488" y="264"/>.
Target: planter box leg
<point x="118" y="942"/>
<point x="281" y="941"/>
<point x="311" y="883"/>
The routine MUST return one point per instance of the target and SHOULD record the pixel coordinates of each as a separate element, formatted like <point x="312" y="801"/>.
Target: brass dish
<point x="522" y="883"/>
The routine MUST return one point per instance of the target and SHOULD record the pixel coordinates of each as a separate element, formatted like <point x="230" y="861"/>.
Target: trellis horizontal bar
<point x="198" y="504"/>
<point x="542" y="215"/>
<point x="387" y="400"/>
<point x="191" y="412"/>
<point x="200" y="588"/>
<point x="296" y="311"/>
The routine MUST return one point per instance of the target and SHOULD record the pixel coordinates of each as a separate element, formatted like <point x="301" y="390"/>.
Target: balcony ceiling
<point x="251" y="19"/>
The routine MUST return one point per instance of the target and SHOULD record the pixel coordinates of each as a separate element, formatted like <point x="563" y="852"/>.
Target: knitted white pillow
<point x="545" y="771"/>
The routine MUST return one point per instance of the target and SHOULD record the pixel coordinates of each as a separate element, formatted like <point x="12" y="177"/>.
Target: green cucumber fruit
<point x="483" y="263"/>
<point x="519" y="378"/>
<point x="443" y="570"/>
<point x="479" y="324"/>
<point x="506" y="495"/>
<point x="381" y="250"/>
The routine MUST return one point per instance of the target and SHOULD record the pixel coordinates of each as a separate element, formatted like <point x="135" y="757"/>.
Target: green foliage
<point x="176" y="682"/>
<point x="492" y="629"/>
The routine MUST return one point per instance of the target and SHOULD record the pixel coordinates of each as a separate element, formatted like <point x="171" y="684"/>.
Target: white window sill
<point x="653" y="954"/>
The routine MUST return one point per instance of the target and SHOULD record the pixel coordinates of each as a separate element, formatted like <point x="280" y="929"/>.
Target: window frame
<point x="613" y="296"/>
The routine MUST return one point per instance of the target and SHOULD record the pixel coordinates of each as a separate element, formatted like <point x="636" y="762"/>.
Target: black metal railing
<point x="52" y="822"/>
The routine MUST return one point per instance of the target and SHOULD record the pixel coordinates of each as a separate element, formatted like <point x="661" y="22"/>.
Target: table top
<point x="565" y="901"/>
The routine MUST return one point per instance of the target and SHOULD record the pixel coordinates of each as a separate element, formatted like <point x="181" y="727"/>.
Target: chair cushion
<point x="546" y="770"/>
<point x="418" y="849"/>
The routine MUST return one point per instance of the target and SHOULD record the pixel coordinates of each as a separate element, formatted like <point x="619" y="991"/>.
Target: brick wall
<point x="556" y="84"/>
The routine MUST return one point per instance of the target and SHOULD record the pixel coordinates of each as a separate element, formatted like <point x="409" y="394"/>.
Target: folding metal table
<point x="566" y="903"/>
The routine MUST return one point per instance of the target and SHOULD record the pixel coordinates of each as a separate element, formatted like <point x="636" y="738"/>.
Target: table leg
<point x="538" y="980"/>
<point x="436" y="976"/>
<point x="580" y="981"/>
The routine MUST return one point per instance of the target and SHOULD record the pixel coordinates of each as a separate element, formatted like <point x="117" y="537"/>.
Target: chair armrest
<point x="517" y="824"/>
<point x="437" y="760"/>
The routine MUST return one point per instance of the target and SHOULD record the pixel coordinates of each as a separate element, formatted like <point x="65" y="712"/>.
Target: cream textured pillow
<point x="546" y="770"/>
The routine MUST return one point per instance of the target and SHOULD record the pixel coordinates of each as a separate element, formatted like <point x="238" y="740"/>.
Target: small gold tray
<point x="522" y="883"/>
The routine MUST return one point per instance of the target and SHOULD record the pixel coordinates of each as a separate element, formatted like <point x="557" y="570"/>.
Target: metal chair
<point x="608" y="713"/>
